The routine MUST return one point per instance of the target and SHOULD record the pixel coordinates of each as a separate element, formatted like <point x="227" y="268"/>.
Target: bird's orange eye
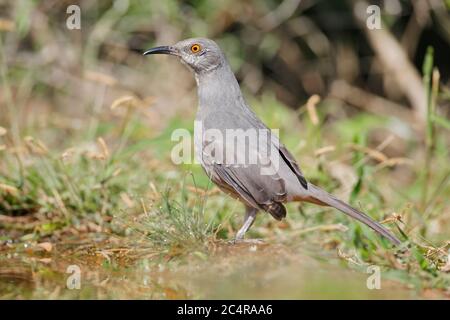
<point x="195" y="48"/>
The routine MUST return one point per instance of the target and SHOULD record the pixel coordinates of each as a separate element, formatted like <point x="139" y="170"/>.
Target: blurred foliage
<point x="85" y="143"/>
<point x="294" y="48"/>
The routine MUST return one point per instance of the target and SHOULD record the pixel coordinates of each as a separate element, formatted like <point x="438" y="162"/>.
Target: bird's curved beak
<point x="162" y="50"/>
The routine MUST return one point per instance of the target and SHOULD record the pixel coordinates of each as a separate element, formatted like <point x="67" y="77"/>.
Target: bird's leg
<point x="250" y="215"/>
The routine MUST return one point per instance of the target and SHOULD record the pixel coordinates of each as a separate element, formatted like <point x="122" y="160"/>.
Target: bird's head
<point x="200" y="54"/>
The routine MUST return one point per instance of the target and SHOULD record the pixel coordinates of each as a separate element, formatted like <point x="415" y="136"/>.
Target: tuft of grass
<point x="177" y="224"/>
<point x="54" y="190"/>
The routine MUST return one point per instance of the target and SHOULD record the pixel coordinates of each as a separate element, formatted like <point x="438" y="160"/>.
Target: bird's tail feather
<point x="319" y="195"/>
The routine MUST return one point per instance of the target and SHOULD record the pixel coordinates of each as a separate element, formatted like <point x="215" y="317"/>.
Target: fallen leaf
<point x="8" y="189"/>
<point x="3" y="131"/>
<point x="45" y="260"/>
<point x="47" y="246"/>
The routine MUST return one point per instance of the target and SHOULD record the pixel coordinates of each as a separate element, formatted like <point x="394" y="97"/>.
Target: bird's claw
<point x="246" y="241"/>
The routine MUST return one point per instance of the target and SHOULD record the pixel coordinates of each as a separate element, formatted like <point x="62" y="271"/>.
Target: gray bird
<point x="267" y="174"/>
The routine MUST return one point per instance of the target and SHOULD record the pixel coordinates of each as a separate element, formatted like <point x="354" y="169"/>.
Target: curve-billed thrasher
<point x="273" y="177"/>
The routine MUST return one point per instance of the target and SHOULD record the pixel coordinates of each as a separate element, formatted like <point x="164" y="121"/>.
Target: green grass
<point x="176" y="223"/>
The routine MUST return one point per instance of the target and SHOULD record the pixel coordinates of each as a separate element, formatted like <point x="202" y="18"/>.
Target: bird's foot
<point x="246" y="241"/>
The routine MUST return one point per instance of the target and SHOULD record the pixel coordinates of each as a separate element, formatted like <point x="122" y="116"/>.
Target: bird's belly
<point x="198" y="146"/>
<point x="198" y="151"/>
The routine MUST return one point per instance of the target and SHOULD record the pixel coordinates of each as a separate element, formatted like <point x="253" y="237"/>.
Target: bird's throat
<point x="218" y="90"/>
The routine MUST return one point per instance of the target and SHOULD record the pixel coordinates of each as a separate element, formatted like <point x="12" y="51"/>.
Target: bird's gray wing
<point x="259" y="191"/>
<point x="285" y="155"/>
<point x="292" y="164"/>
<point x="258" y="184"/>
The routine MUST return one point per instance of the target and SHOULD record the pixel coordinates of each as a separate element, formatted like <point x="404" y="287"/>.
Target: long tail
<point x="322" y="197"/>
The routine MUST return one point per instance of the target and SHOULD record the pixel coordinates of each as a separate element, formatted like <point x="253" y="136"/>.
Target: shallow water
<point x="242" y="271"/>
